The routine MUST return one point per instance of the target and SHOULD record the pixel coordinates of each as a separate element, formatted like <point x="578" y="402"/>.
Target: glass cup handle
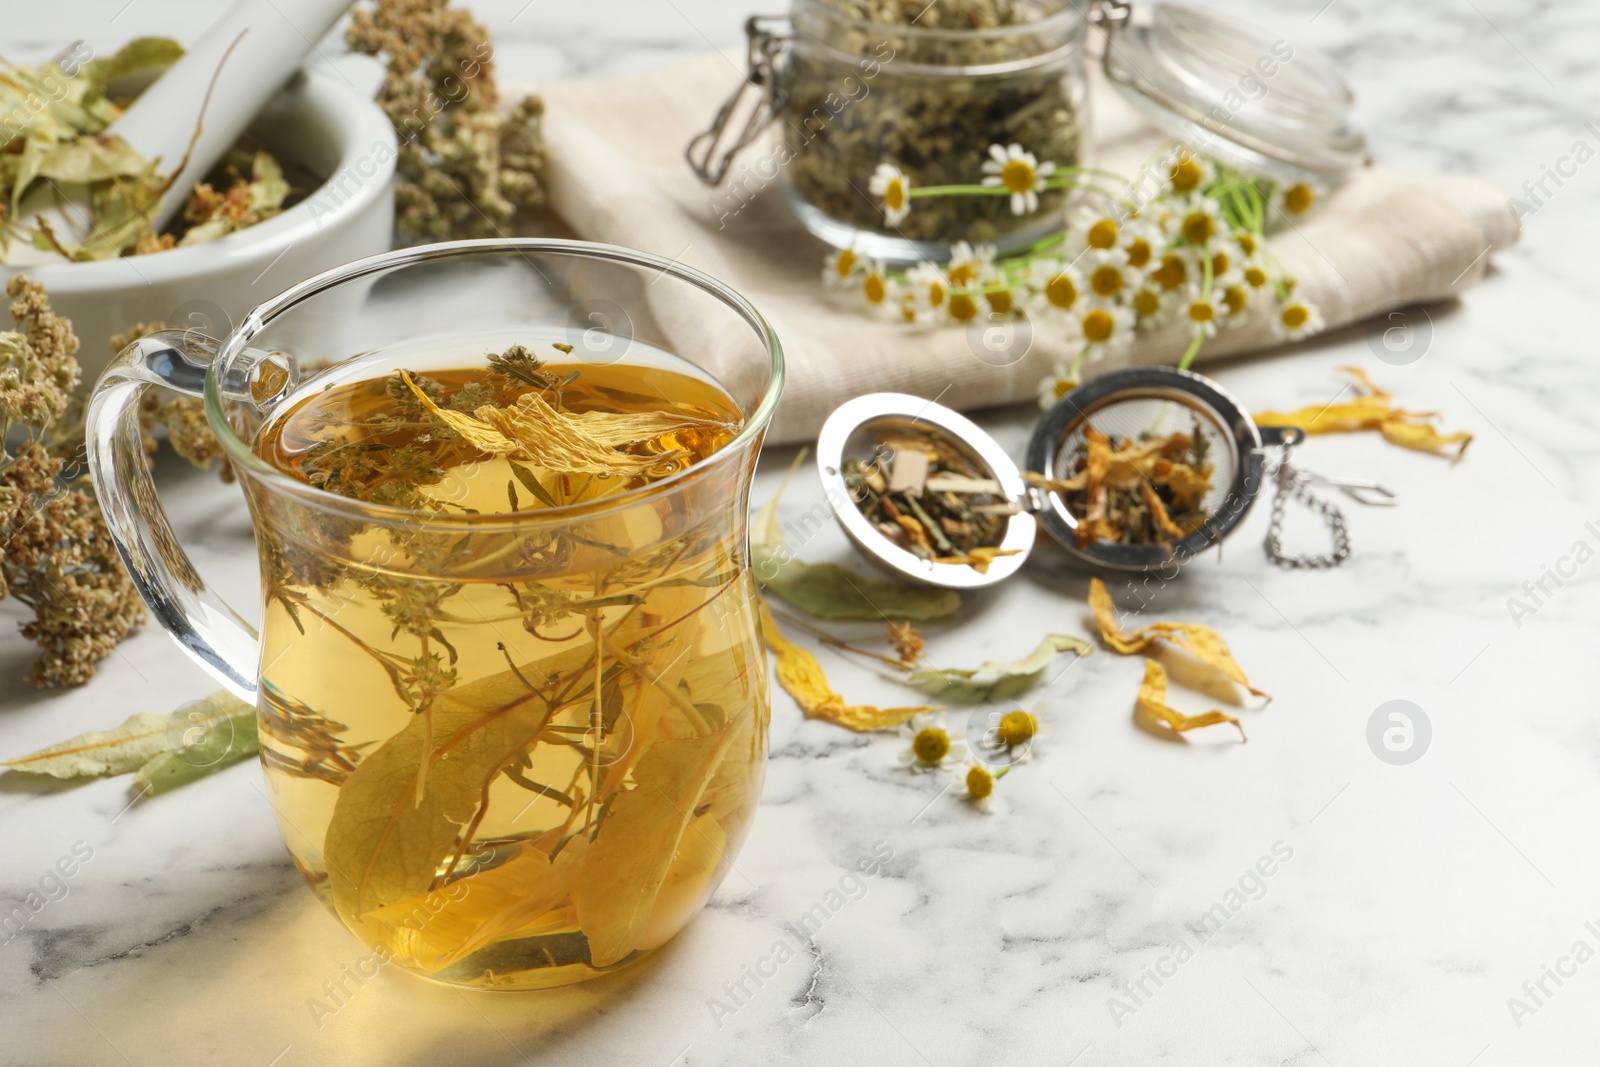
<point x="211" y="632"/>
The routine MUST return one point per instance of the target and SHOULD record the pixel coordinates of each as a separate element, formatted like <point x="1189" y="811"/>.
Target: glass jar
<point x="849" y="94"/>
<point x="855" y="94"/>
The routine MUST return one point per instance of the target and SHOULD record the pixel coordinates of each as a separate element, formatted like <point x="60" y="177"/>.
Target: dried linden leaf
<point x="802" y="678"/>
<point x="624" y="869"/>
<point x="386" y="841"/>
<point x="573" y="443"/>
<point x="994" y="680"/>
<point x="1152" y="706"/>
<point x="1201" y="643"/>
<point x="199" y="737"/>
<point x="830" y="591"/>
<point x="1372" y="409"/>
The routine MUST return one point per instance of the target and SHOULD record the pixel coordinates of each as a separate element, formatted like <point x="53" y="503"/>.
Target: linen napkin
<point x="617" y="174"/>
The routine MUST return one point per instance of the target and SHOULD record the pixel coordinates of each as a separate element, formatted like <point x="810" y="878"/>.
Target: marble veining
<point x="1118" y="911"/>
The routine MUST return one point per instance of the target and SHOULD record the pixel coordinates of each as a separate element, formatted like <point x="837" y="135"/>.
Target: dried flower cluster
<point x="55" y="554"/>
<point x="465" y="166"/>
<point x="183" y="417"/>
<point x="1185" y="240"/>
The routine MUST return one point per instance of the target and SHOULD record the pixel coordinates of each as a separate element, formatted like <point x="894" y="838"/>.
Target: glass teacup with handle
<point x="512" y="693"/>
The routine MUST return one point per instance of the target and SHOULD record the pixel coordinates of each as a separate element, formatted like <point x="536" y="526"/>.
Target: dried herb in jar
<point x="871" y="81"/>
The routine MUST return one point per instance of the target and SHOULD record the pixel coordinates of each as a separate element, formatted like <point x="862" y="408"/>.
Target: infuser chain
<point x="1296" y="484"/>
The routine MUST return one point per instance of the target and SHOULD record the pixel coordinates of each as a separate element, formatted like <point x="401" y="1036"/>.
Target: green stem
<point x="1193" y="350"/>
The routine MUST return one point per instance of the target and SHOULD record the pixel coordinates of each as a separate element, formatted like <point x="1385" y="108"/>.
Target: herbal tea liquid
<point x="512" y="753"/>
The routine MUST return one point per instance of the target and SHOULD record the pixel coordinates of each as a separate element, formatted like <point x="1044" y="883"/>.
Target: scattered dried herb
<point x="466" y="166"/>
<point x="995" y="680"/>
<point x="1207" y="655"/>
<point x="1148" y="490"/>
<point x="802" y="677"/>
<point x="1152" y="708"/>
<point x="66" y="139"/>
<point x="55" y="554"/>
<point x="830" y="591"/>
<point x="165" y="751"/>
<point x="866" y="83"/>
<point x="924" y="494"/>
<point x="1373" y="409"/>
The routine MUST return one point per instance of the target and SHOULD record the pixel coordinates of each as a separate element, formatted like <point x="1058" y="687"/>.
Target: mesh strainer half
<point x="1152" y="401"/>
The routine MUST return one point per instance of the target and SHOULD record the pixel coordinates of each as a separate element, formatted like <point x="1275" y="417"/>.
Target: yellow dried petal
<point x="802" y="678"/>
<point x="1152" y="708"/>
<point x="572" y="443"/>
<point x="1201" y="643"/>
<point x="1372" y="409"/>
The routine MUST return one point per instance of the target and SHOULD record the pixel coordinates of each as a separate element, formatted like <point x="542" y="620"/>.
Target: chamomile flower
<point x="1151" y="302"/>
<point x="1255" y="275"/>
<point x="1057" y="287"/>
<point x="1019" y="173"/>
<point x="1105" y="329"/>
<point x="891" y="185"/>
<point x="1297" y="319"/>
<point x="1095" y="230"/>
<point x="1173" y="271"/>
<point x="929" y="289"/>
<point x="978" y="786"/>
<point x="1202" y="313"/>
<point x="1109" y="277"/>
<point x="969" y="264"/>
<point x="1057" y="384"/>
<point x="930" y="746"/>
<point x="1235" y="299"/>
<point x="1140" y="243"/>
<point x="1009" y="737"/>
<point x="839" y="270"/>
<point x="1001" y="296"/>
<point x="1227" y="261"/>
<point x="964" y="305"/>
<point x="1188" y="172"/>
<point x="877" y="288"/>
<point x="1198" y="223"/>
<point x="1294" y="199"/>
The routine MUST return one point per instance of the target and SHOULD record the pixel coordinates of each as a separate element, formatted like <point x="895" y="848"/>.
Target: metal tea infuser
<point x="1129" y="404"/>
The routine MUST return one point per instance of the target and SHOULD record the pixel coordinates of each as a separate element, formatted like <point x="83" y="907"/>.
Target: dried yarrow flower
<point x="466" y="165"/>
<point x="55" y="553"/>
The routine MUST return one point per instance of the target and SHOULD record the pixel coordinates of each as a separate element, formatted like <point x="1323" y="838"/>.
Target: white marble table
<point x="1406" y="904"/>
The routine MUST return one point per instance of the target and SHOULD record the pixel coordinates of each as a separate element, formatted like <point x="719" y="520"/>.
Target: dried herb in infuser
<point x="925" y="495"/>
<point x="1148" y="490"/>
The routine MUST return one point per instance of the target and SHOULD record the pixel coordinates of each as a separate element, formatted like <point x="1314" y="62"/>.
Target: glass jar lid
<point x="1232" y="90"/>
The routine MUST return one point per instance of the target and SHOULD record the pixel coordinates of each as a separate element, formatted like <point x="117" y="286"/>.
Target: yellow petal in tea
<point x="571" y="442"/>
<point x="1152" y="707"/>
<point x="1373" y="409"/>
<point x="1205" y="647"/>
<point x="802" y="678"/>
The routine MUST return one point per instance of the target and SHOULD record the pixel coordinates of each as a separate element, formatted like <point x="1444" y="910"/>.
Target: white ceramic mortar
<point x="321" y="121"/>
